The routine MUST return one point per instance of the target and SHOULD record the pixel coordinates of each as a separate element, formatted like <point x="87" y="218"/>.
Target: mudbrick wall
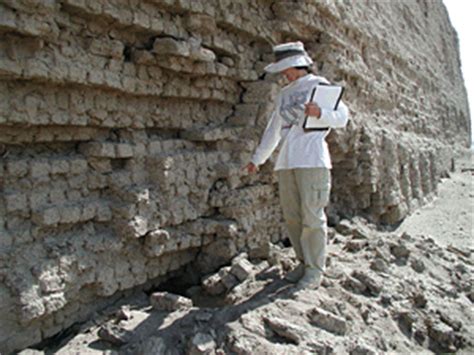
<point x="124" y="125"/>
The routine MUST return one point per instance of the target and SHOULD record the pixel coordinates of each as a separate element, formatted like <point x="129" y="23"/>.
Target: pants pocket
<point x="321" y="196"/>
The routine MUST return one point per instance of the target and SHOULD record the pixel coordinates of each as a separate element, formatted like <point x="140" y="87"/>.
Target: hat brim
<point x="290" y="62"/>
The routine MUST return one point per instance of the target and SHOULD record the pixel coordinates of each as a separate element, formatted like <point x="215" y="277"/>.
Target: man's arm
<point x="271" y="138"/>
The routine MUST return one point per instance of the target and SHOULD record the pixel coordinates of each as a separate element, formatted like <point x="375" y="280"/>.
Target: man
<point x="303" y="164"/>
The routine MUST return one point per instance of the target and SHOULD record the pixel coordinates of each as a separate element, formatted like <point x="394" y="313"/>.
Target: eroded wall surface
<point x="124" y="126"/>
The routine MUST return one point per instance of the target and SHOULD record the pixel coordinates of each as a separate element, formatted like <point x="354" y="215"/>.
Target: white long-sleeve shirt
<point x="300" y="149"/>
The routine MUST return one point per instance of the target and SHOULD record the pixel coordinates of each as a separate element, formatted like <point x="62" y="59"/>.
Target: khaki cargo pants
<point x="303" y="195"/>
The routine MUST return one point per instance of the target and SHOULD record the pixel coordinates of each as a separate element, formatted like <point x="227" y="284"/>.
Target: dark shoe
<point x="296" y="274"/>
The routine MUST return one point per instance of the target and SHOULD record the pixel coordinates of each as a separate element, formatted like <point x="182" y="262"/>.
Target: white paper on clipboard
<point x="327" y="97"/>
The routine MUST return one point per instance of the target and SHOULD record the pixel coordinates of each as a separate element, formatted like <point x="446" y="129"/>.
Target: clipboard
<point x="327" y="97"/>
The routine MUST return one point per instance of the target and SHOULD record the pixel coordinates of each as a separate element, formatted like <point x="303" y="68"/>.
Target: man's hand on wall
<point x="251" y="168"/>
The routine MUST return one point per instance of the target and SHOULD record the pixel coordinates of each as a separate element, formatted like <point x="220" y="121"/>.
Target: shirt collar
<point x="300" y="80"/>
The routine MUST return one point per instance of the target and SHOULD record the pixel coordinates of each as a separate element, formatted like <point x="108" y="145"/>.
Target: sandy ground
<point x="449" y="218"/>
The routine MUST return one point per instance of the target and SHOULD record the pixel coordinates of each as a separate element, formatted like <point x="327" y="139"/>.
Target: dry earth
<point x="403" y="291"/>
<point x="449" y="218"/>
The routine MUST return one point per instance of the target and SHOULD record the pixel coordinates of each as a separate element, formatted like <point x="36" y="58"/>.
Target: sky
<point x="460" y="14"/>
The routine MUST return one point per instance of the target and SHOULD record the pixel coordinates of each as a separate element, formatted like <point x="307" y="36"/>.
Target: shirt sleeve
<point x="335" y="118"/>
<point x="271" y="138"/>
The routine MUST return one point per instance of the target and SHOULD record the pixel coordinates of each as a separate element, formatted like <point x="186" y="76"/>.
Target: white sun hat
<point x="289" y="55"/>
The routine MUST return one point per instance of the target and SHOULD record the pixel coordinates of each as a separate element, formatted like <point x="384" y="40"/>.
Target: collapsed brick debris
<point x="261" y="312"/>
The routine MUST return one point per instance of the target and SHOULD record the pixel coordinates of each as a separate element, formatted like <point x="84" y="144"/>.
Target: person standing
<point x="303" y="164"/>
